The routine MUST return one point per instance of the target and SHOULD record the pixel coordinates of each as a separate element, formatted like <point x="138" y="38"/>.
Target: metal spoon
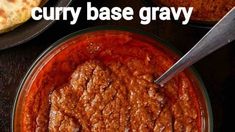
<point x="221" y="34"/>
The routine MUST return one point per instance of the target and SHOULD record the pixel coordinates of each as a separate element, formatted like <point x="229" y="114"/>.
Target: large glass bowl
<point x="62" y="44"/>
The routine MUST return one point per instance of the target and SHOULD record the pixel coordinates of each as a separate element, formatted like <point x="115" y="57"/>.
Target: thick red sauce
<point x="61" y="98"/>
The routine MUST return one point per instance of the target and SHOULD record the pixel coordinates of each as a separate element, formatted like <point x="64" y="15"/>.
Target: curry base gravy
<point x="104" y="82"/>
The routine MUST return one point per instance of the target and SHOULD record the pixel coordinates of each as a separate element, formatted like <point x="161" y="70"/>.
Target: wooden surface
<point x="217" y="70"/>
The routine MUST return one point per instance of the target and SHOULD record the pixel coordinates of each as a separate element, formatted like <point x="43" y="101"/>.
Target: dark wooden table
<point x="217" y="70"/>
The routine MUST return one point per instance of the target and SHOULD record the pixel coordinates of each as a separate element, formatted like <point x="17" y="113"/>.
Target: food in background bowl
<point x="103" y="80"/>
<point x="15" y="12"/>
<point x="204" y="10"/>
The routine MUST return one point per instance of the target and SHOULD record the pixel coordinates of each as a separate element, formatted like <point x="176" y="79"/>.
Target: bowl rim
<point x="199" y="24"/>
<point x="152" y="36"/>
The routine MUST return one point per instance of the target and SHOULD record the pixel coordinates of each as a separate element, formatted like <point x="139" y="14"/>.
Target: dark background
<point x="216" y="70"/>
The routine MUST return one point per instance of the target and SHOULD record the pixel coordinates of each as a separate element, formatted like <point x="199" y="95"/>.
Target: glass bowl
<point x="70" y="42"/>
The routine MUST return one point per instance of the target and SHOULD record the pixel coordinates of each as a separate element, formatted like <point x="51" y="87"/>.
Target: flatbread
<point x="15" y="12"/>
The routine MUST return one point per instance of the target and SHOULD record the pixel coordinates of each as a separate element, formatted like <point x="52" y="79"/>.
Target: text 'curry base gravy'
<point x="104" y="82"/>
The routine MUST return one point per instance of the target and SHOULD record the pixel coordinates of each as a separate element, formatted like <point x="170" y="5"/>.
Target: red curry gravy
<point x="103" y="81"/>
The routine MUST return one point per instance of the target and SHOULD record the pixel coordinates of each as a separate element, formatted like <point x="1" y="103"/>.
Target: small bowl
<point x="68" y="41"/>
<point x="200" y="24"/>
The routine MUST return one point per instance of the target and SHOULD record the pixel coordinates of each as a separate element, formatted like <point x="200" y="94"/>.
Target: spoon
<point x="221" y="34"/>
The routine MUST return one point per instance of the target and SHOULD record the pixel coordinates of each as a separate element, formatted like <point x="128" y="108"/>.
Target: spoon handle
<point x="221" y="34"/>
